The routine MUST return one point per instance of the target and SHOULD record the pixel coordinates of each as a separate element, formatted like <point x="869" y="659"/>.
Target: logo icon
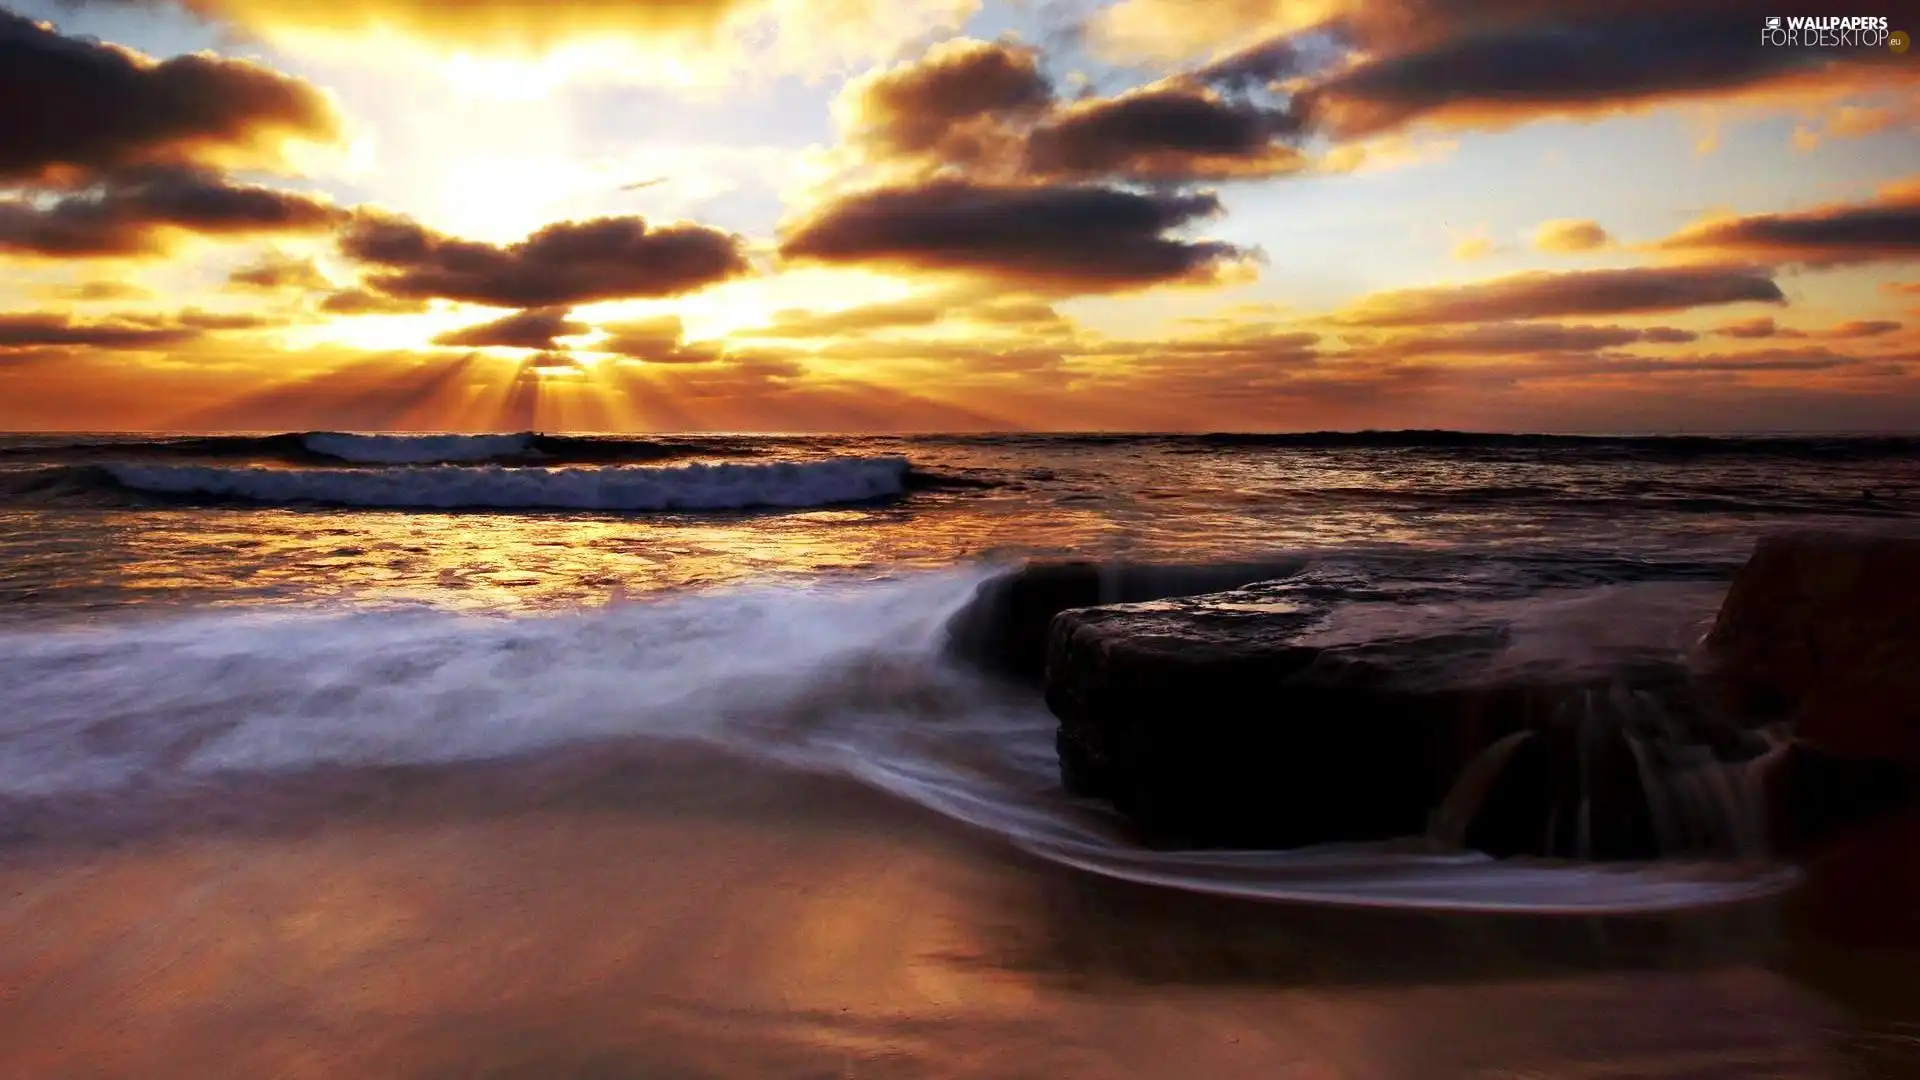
<point x="1898" y="41"/>
<point x="1773" y="24"/>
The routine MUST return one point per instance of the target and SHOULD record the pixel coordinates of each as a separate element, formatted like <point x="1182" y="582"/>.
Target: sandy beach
<point x="691" y="917"/>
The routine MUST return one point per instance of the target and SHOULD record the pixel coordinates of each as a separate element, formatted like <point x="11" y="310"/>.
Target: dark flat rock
<point x="1275" y="716"/>
<point x="1004" y="628"/>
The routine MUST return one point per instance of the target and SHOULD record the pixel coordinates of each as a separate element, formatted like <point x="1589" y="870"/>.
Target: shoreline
<point x="683" y="920"/>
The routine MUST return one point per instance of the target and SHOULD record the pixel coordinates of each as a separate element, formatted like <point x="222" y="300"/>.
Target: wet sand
<point x="684" y="917"/>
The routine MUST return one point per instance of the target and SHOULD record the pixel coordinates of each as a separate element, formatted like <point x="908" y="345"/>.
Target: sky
<point x="957" y="215"/>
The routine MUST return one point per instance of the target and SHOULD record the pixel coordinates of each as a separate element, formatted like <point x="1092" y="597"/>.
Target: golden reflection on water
<point x="707" y="926"/>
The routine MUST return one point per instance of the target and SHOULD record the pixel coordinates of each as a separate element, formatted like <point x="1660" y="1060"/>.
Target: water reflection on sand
<point x="690" y="918"/>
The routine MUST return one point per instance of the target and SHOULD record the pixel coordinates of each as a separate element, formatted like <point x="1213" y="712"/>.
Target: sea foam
<point x="844" y="679"/>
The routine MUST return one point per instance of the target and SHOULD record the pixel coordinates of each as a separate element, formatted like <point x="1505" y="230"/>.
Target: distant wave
<point x="415" y="449"/>
<point x="326" y="447"/>
<point x="335" y="448"/>
<point x="1665" y="446"/>
<point x="445" y="487"/>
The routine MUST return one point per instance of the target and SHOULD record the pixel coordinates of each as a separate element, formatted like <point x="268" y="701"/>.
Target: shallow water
<point x="548" y="792"/>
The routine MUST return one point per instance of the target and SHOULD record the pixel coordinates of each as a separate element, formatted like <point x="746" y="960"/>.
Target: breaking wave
<point x="446" y="487"/>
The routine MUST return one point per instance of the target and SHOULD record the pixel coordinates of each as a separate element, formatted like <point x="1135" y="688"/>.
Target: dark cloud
<point x="71" y="107"/>
<point x="1492" y="63"/>
<point x="1514" y="339"/>
<point x="38" y="330"/>
<point x="276" y="273"/>
<point x="1254" y="67"/>
<point x="1060" y="239"/>
<point x="534" y="329"/>
<point x="1473" y="62"/>
<point x="659" y="340"/>
<point x="1886" y="229"/>
<point x="948" y="104"/>
<point x="1170" y="132"/>
<point x="1544" y="295"/>
<point x="142" y="214"/>
<point x="564" y="264"/>
<point x="363" y="302"/>
<point x="1748" y="329"/>
<point x="985" y="110"/>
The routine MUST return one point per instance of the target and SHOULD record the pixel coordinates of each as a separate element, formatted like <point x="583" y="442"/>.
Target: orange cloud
<point x="1885" y="229"/>
<point x="793" y="324"/>
<point x="94" y="292"/>
<point x="1567" y="235"/>
<point x="1851" y="330"/>
<point x="276" y="273"/>
<point x="1638" y="290"/>
<point x="661" y="340"/>
<point x="535" y="329"/>
<point x="1515" y="339"/>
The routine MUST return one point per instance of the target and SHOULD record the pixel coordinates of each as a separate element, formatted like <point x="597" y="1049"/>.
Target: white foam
<point x="839" y="678"/>
<point x="614" y="487"/>
<point x="415" y="449"/>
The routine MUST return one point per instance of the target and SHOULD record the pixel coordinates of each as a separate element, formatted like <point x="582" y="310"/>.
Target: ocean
<point x="541" y="755"/>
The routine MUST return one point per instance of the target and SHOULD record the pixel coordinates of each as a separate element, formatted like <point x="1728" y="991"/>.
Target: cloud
<point x="1049" y="239"/>
<point x="1491" y="63"/>
<point x="947" y="106"/>
<point x="143" y="214"/>
<point x="94" y="292"/>
<point x="1569" y="235"/>
<point x="796" y="324"/>
<point x="135" y="332"/>
<point x="77" y="107"/>
<point x="573" y="262"/>
<point x="1758" y="360"/>
<point x="1172" y="132"/>
<point x="986" y="111"/>
<point x="364" y="302"/>
<point x="659" y="340"/>
<point x="1550" y="295"/>
<point x="1748" y="329"/>
<point x="1852" y="330"/>
<point x="1473" y="249"/>
<point x="535" y="329"/>
<point x="1885" y="229"/>
<point x="1514" y="339"/>
<point x="276" y="273"/>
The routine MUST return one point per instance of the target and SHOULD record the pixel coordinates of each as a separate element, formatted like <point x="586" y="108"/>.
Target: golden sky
<point x="944" y="215"/>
